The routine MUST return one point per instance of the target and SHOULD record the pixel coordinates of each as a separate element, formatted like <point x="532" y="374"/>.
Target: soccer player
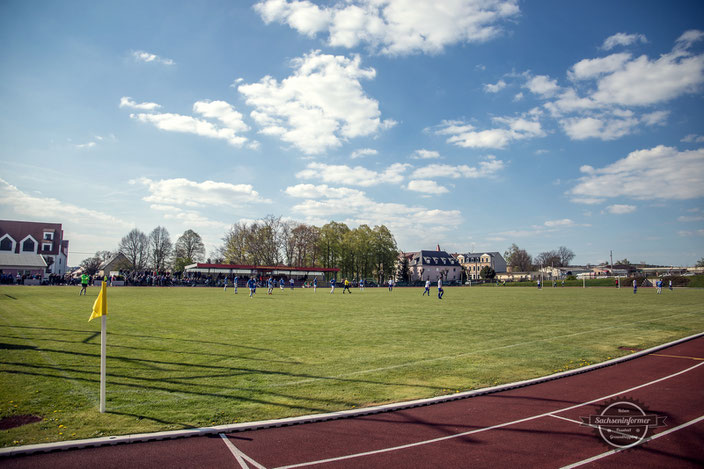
<point x="440" y="290"/>
<point x="361" y="284"/>
<point x="281" y="283"/>
<point x="427" y="288"/>
<point x="635" y="286"/>
<point x="291" y="282"/>
<point x="670" y="285"/>
<point x="391" y="284"/>
<point x="234" y="283"/>
<point x="332" y="285"/>
<point x="270" y="285"/>
<point x="84" y="284"/>
<point x="252" y="286"/>
<point x="659" y="285"/>
<point x="315" y="284"/>
<point x="225" y="288"/>
<point x="346" y="287"/>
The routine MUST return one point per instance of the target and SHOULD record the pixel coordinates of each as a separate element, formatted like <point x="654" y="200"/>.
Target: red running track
<point x="537" y="425"/>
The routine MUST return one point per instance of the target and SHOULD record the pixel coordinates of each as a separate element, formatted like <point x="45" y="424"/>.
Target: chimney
<point x="438" y="247"/>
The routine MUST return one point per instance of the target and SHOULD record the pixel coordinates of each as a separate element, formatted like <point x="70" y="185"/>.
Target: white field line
<point x="475" y="352"/>
<point x="607" y="430"/>
<point x="645" y="440"/>
<point x="480" y="430"/>
<point x="239" y="455"/>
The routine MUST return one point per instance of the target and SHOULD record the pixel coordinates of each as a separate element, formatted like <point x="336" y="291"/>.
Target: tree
<point x="518" y="259"/>
<point x="487" y="272"/>
<point x="91" y="265"/>
<point x="404" y="271"/>
<point x="330" y="243"/>
<point x="160" y="248"/>
<point x="385" y="252"/>
<point x="189" y="249"/>
<point x="623" y="261"/>
<point x="135" y="247"/>
<point x="700" y="262"/>
<point x="566" y="255"/>
<point x="548" y="258"/>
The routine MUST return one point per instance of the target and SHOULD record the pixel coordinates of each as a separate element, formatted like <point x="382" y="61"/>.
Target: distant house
<point x="432" y="265"/>
<point x="474" y="262"/>
<point x="26" y="241"/>
<point x="113" y="265"/>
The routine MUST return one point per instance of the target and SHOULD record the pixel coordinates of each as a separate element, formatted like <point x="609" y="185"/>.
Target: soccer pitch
<point x="191" y="357"/>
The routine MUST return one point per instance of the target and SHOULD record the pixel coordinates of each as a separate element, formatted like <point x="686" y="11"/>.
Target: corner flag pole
<point x="103" y="341"/>
<point x="100" y="309"/>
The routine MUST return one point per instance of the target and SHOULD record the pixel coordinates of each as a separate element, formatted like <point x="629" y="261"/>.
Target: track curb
<point x="240" y="427"/>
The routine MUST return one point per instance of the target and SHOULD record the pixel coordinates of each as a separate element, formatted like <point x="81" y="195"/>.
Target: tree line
<point x="362" y="252"/>
<point x="520" y="261"/>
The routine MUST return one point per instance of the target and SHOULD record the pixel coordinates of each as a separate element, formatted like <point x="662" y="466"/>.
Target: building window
<point x="6" y="244"/>
<point x="46" y="247"/>
<point x="28" y="245"/>
<point x="48" y="235"/>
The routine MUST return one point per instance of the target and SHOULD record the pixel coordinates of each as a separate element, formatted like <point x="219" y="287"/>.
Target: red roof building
<point x="26" y="238"/>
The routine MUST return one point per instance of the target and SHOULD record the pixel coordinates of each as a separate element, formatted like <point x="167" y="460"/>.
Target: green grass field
<point x="190" y="357"/>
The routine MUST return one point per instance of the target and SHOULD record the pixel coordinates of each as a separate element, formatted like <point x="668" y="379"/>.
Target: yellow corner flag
<point x="100" y="307"/>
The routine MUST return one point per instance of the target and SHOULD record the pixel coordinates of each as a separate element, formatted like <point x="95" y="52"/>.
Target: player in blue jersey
<point x="234" y="283"/>
<point x="270" y="285"/>
<point x="315" y="284"/>
<point x="252" y="286"/>
<point x="332" y="285"/>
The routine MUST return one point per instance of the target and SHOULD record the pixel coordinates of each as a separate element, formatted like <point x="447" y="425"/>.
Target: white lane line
<point x="608" y="430"/>
<point x="239" y="455"/>
<point x="466" y="354"/>
<point x="645" y="440"/>
<point x="480" y="430"/>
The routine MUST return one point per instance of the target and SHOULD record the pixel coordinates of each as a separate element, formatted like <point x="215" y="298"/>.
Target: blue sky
<point x="472" y="125"/>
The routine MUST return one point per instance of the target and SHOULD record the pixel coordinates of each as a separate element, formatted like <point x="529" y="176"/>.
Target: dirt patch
<point x="17" y="421"/>
<point x="630" y="349"/>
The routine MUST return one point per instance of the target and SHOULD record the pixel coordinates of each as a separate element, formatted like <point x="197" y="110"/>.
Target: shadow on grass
<point x="141" y="337"/>
<point x="156" y="364"/>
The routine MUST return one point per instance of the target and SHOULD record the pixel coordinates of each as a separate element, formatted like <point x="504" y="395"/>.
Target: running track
<point x="537" y="425"/>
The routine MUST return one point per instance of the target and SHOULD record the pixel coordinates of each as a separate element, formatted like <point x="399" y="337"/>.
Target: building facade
<point x="21" y="239"/>
<point x="474" y="262"/>
<point x="433" y="265"/>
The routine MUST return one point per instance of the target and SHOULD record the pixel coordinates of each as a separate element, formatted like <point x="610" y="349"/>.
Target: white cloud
<point x="357" y="176"/>
<point x="189" y="218"/>
<point x="353" y="207"/>
<point x="319" y="106"/>
<point x="620" y="209"/>
<point x="363" y="152"/>
<point x="394" y="27"/>
<point x="181" y="191"/>
<point x="128" y="102"/>
<point x="657" y="173"/>
<point x="688" y="219"/>
<point x="693" y="138"/>
<point x="564" y="223"/>
<point x="514" y="128"/>
<point x="192" y="125"/>
<point x="423" y="154"/>
<point x="643" y="82"/>
<point x="622" y="39"/>
<point x="141" y="56"/>
<point x="47" y="208"/>
<point x="542" y="85"/>
<point x="82" y="146"/>
<point x="495" y="88"/>
<point x="485" y="169"/>
<point x="222" y="111"/>
<point x="426" y="186"/>
<point x="691" y="233"/>
<point x="593" y="68"/>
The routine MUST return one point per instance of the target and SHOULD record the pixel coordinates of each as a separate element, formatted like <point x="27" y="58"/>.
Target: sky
<point x="467" y="124"/>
